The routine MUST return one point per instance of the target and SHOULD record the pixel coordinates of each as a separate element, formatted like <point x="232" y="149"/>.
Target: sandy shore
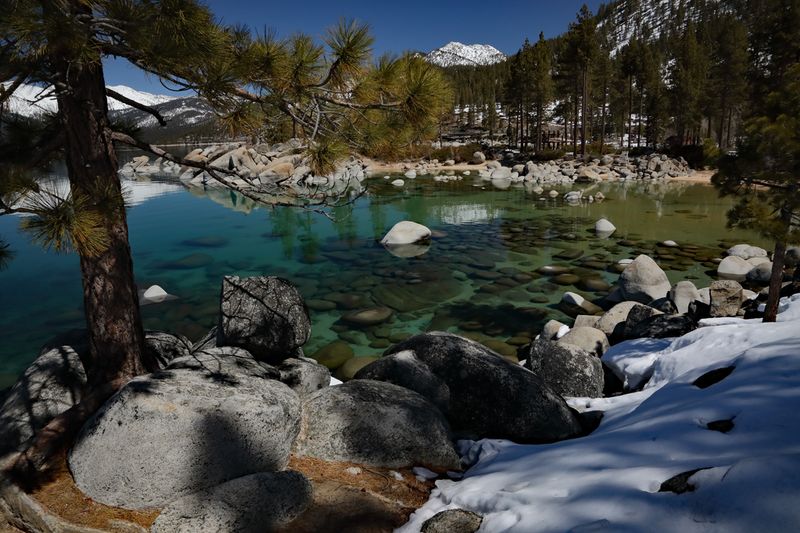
<point x="699" y="176"/>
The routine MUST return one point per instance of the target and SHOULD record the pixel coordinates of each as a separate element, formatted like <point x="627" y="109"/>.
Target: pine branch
<point x="133" y="103"/>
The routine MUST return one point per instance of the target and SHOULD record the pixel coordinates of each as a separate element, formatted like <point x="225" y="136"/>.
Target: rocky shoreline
<point x="227" y="414"/>
<point x="286" y="166"/>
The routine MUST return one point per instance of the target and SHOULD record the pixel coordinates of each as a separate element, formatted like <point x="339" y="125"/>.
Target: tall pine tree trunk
<point x="603" y="120"/>
<point x="778" y="257"/>
<point x="584" y="106"/>
<point x="639" y="119"/>
<point x="538" y="128"/>
<point x="775" y="282"/>
<point x="630" y="111"/>
<point x="575" y="123"/>
<point x="730" y="126"/>
<point x="110" y="298"/>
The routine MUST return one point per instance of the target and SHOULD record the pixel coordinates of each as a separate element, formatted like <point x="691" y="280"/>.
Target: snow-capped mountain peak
<point x="455" y="53"/>
<point x="148" y="99"/>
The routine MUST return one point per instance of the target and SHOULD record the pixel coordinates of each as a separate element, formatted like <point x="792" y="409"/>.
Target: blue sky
<point x="397" y="26"/>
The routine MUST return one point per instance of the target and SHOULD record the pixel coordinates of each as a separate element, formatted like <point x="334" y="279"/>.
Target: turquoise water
<point x="478" y="277"/>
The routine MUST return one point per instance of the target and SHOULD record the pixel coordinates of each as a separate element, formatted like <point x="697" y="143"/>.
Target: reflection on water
<point x="478" y="277"/>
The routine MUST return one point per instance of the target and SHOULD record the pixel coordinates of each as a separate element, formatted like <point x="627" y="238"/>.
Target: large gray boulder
<point x="567" y="369"/>
<point x="643" y="281"/>
<point x="264" y="315"/>
<point x="682" y="294"/>
<point x="249" y="504"/>
<point x="612" y="323"/>
<point x="661" y="326"/>
<point x="636" y="316"/>
<point x="377" y="424"/>
<point x="406" y="232"/>
<point x="53" y="383"/>
<point x="405" y="370"/>
<point x="453" y="521"/>
<point x="225" y="364"/>
<point x="590" y="339"/>
<point x="164" y="347"/>
<point x="746" y="251"/>
<point x="304" y="376"/>
<point x="726" y="298"/>
<point x="604" y="227"/>
<point x="490" y="396"/>
<point x="182" y="430"/>
<point x="760" y="273"/>
<point x="734" y="268"/>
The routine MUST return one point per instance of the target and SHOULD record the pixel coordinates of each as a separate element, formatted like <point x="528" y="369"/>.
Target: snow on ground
<point x="610" y="480"/>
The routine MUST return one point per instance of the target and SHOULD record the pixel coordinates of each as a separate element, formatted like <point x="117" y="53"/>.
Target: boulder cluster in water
<point x="284" y="165"/>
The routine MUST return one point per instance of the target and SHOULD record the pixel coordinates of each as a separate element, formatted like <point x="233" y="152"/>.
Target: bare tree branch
<point x="133" y="103"/>
<point x="160" y="152"/>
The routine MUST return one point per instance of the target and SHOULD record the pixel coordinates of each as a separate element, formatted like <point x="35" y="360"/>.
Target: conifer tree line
<point x="680" y="77"/>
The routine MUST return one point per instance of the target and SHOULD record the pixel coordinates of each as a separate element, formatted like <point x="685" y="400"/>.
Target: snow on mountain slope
<point x="455" y="53"/>
<point x="148" y="99"/>
<point x="186" y="111"/>
<point x="31" y="100"/>
<point x="649" y="19"/>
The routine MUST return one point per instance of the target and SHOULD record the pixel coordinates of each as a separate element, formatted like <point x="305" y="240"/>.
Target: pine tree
<point x="688" y="78"/>
<point x="765" y="173"/>
<point x="583" y="44"/>
<point x="541" y="83"/>
<point x="728" y="82"/>
<point x="60" y="46"/>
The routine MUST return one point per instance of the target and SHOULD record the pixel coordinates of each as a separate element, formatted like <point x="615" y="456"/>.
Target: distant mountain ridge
<point x="459" y="54"/>
<point x="185" y="115"/>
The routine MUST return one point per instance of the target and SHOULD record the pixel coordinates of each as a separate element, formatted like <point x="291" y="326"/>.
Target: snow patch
<point x="611" y="479"/>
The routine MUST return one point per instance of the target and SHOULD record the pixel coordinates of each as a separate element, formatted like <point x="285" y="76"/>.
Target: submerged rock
<point x="368" y="317"/>
<point x="334" y="355"/>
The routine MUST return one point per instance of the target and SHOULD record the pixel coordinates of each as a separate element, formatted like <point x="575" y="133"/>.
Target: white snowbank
<point x="609" y="481"/>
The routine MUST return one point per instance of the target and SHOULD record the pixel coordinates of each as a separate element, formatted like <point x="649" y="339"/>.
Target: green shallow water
<point x="478" y="277"/>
